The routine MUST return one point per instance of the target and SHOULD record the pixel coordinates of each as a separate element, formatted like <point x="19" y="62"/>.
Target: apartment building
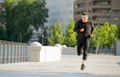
<point x="99" y="11"/>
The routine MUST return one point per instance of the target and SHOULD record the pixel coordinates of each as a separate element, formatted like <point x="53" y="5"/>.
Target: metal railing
<point x="12" y="52"/>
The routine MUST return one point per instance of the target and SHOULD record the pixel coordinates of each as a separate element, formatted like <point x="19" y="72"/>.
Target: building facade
<point x="99" y="11"/>
<point x="60" y="11"/>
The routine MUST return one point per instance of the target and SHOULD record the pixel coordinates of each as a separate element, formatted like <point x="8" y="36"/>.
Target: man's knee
<point x="84" y="55"/>
<point x="78" y="52"/>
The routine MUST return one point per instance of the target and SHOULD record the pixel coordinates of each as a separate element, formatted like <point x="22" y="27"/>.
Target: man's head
<point x="84" y="17"/>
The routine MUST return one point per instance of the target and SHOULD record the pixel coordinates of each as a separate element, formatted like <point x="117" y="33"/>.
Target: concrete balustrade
<point x="12" y="52"/>
<point x="69" y="51"/>
<point x="39" y="53"/>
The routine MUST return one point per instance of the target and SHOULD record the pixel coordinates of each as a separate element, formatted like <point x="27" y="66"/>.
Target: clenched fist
<point x="81" y="29"/>
<point x="91" y="35"/>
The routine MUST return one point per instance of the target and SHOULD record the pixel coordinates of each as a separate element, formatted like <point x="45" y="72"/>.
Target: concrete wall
<point x="45" y="53"/>
<point x="34" y="53"/>
<point x="117" y="48"/>
<point x="69" y="51"/>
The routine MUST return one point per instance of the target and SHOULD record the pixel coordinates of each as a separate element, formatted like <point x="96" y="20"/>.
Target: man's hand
<point x="81" y="29"/>
<point x="91" y="35"/>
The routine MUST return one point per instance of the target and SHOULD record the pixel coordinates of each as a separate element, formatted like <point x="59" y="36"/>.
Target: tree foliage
<point x="2" y="33"/>
<point x="104" y="35"/>
<point x="95" y="41"/>
<point x="56" y="34"/>
<point x="39" y="14"/>
<point x="118" y="32"/>
<point x="108" y="34"/>
<point x="21" y="15"/>
<point x="70" y="36"/>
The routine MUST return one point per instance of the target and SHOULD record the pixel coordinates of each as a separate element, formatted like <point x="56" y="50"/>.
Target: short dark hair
<point x="84" y="13"/>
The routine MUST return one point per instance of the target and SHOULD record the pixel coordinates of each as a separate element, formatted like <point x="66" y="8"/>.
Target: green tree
<point x="104" y="36"/>
<point x="108" y="34"/>
<point x="95" y="41"/>
<point x="23" y="15"/>
<point x="39" y="14"/>
<point x="2" y="33"/>
<point x="118" y="32"/>
<point x="56" y="34"/>
<point x="17" y="20"/>
<point x="112" y="35"/>
<point x="70" y="37"/>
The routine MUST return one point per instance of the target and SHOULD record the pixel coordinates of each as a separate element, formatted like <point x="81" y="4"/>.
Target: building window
<point x="80" y="5"/>
<point x="89" y="11"/>
<point x="101" y="2"/>
<point x="89" y="18"/>
<point x="78" y="12"/>
<point x="75" y="6"/>
<point x="90" y="3"/>
<point x="101" y="18"/>
<point x="116" y="11"/>
<point x="101" y="10"/>
<point x="74" y="13"/>
<point x="116" y="3"/>
<point x="116" y="18"/>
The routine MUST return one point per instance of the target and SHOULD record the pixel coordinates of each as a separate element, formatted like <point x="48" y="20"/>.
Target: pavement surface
<point x="69" y="66"/>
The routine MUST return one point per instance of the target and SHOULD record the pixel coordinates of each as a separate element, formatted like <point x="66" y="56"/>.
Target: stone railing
<point x="12" y="52"/>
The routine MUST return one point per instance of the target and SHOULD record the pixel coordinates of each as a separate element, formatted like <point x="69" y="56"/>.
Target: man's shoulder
<point x="79" y="21"/>
<point x="90" y="22"/>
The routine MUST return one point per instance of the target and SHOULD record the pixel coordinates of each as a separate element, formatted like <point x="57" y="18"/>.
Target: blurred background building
<point x="60" y="10"/>
<point x="99" y="11"/>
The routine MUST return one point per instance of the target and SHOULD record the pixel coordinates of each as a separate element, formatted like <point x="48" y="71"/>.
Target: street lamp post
<point x="42" y="39"/>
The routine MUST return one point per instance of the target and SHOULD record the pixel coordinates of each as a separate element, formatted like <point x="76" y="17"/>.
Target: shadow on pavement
<point x="53" y="74"/>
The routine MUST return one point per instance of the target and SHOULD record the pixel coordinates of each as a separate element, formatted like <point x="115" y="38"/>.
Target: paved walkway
<point x="69" y="66"/>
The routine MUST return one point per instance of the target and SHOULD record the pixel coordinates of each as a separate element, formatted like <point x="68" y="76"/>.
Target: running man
<point x="84" y="29"/>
